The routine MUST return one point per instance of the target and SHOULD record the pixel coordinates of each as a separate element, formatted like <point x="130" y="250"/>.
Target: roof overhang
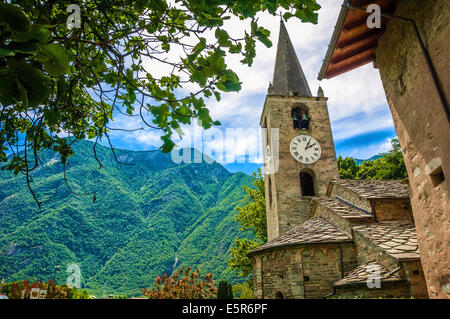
<point x="353" y="43"/>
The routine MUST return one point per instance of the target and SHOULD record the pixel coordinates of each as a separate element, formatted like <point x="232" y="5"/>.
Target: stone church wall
<point x="392" y="209"/>
<point x="415" y="275"/>
<point x="306" y="271"/>
<point x="367" y="251"/>
<point x="351" y="197"/>
<point x="395" y="289"/>
<point x="322" y="267"/>
<point x="421" y="125"/>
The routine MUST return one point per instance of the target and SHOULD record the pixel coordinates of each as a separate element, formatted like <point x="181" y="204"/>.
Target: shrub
<point x="183" y="284"/>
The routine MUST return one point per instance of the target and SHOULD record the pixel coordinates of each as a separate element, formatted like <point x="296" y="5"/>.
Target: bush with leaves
<point x="55" y="78"/>
<point x="251" y="216"/>
<point x="244" y="290"/>
<point x="183" y="284"/>
<point x="390" y="166"/>
<point x="14" y="290"/>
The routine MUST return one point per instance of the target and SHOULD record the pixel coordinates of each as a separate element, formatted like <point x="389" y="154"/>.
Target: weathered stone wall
<point x="289" y="208"/>
<point x="414" y="274"/>
<point x="307" y="271"/>
<point x="392" y="209"/>
<point x="421" y="126"/>
<point x="322" y="268"/>
<point x="352" y="197"/>
<point x="344" y="224"/>
<point x="367" y="251"/>
<point x="396" y="289"/>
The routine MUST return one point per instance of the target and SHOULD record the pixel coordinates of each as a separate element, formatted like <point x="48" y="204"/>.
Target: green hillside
<point x="149" y="218"/>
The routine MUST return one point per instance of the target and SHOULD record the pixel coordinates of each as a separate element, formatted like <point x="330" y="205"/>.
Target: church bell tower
<point x="297" y="142"/>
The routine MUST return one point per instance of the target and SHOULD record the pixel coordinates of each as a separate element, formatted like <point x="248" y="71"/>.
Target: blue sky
<point x="360" y="118"/>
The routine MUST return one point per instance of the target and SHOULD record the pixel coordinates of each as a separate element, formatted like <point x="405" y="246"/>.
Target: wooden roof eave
<point x="334" y="39"/>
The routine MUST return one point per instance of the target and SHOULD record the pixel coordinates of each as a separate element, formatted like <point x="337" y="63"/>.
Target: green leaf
<point x="54" y="58"/>
<point x="35" y="82"/>
<point x="168" y="144"/>
<point x="222" y="37"/>
<point x="6" y="52"/>
<point x="36" y="32"/>
<point x="14" y="17"/>
<point x="8" y="87"/>
<point x="29" y="47"/>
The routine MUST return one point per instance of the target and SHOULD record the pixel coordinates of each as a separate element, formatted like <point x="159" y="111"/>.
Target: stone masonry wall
<point x="421" y="125"/>
<point x="322" y="268"/>
<point x="396" y="289"/>
<point x="367" y="251"/>
<point x="343" y="224"/>
<point x="351" y="197"/>
<point x="392" y="209"/>
<point x="306" y="271"/>
<point x="416" y="278"/>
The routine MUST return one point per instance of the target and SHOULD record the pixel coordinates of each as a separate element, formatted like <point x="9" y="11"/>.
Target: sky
<point x="360" y="118"/>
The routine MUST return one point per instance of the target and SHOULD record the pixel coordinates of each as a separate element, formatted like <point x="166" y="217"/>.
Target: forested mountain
<point x="148" y="218"/>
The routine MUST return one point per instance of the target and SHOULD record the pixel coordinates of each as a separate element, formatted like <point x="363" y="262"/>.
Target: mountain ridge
<point x="146" y="215"/>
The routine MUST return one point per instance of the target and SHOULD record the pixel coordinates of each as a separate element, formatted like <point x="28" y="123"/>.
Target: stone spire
<point x="288" y="76"/>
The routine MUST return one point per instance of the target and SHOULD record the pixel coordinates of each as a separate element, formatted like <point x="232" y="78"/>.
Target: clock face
<point x="305" y="149"/>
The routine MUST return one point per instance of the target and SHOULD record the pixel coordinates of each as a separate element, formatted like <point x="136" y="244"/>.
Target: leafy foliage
<point x="139" y="227"/>
<point x="14" y="290"/>
<point x="183" y="284"/>
<point x="244" y="290"/>
<point x="57" y="79"/>
<point x="389" y="166"/>
<point x="252" y="216"/>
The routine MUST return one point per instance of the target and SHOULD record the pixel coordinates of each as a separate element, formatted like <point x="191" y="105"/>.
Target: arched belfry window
<point x="300" y="117"/>
<point x="307" y="184"/>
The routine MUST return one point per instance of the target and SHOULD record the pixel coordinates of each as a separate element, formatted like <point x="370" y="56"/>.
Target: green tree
<point x="59" y="78"/>
<point x="244" y="290"/>
<point x="347" y="167"/>
<point x="224" y="290"/>
<point x="367" y="170"/>
<point x="251" y="216"/>
<point x="390" y="166"/>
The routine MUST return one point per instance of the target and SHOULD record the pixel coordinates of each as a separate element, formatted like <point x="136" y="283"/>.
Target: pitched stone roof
<point x="398" y="239"/>
<point x="343" y="209"/>
<point x="368" y="270"/>
<point x="288" y="74"/>
<point x="314" y="230"/>
<point x="375" y="188"/>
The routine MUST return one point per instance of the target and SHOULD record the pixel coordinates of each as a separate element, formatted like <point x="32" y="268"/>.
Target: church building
<point x="326" y="236"/>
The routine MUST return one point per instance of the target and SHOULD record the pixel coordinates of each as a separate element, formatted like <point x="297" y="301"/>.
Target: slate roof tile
<point x="400" y="248"/>
<point x="343" y="209"/>
<point x="314" y="230"/>
<point x="367" y="271"/>
<point x="375" y="188"/>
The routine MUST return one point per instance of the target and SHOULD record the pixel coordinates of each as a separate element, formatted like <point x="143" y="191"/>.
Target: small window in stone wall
<point x="437" y="177"/>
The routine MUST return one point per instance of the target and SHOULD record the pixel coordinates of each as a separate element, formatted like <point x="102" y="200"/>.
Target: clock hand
<point x="311" y="145"/>
<point x="307" y="144"/>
